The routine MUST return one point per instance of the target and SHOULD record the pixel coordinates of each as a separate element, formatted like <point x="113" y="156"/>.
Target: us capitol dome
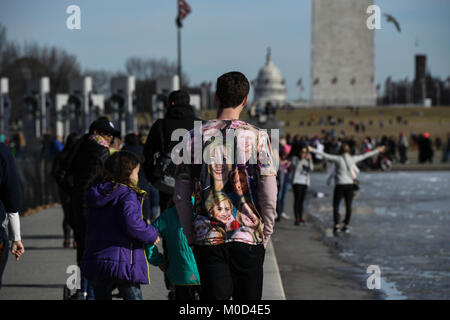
<point x="269" y="86"/>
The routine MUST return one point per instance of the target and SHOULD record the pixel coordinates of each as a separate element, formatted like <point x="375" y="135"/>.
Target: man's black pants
<point x="231" y="270"/>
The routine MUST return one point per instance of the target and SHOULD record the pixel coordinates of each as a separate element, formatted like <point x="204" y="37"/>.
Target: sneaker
<point x="285" y="216"/>
<point x="336" y="230"/>
<point x="345" y="229"/>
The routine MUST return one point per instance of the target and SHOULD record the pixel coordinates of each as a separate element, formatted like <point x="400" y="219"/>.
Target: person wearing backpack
<point x="157" y="164"/>
<point x="344" y="181"/>
<point x="179" y="115"/>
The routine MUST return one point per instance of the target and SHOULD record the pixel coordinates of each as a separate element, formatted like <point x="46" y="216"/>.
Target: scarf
<point x="99" y="139"/>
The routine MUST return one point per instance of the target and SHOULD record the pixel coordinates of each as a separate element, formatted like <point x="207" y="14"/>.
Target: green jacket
<point x="182" y="269"/>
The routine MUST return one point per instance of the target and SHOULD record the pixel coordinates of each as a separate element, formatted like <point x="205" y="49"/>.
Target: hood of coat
<point x="180" y="112"/>
<point x="105" y="193"/>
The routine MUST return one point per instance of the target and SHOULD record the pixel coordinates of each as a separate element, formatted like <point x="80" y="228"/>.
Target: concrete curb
<point x="272" y="285"/>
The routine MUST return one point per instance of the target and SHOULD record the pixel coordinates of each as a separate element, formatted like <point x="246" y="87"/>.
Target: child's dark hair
<point x="232" y="88"/>
<point x="118" y="167"/>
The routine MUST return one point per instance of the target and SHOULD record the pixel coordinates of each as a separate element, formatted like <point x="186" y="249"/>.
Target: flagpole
<point x="179" y="52"/>
<point x="183" y="10"/>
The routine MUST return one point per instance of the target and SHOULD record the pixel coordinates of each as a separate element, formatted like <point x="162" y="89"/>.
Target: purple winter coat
<point x="115" y="235"/>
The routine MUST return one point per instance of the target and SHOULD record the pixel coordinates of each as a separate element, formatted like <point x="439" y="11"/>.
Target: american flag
<point x="183" y="10"/>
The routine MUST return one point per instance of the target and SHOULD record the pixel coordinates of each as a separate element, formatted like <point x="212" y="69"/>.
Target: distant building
<point x="420" y="88"/>
<point x="269" y="85"/>
<point x="342" y="54"/>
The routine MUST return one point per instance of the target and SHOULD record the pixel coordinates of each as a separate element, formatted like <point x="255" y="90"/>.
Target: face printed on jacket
<point x="220" y="209"/>
<point x="240" y="182"/>
<point x="234" y="155"/>
<point x="218" y="169"/>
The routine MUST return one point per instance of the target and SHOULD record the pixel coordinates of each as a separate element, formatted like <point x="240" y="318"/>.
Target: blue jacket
<point x="116" y="234"/>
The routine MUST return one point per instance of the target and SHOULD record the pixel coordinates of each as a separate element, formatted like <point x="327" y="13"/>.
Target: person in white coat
<point x="344" y="181"/>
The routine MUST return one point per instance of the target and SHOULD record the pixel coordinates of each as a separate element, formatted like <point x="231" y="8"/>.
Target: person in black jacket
<point x="86" y="167"/>
<point x="151" y="202"/>
<point x="179" y="114"/>
<point x="64" y="196"/>
<point x="10" y="203"/>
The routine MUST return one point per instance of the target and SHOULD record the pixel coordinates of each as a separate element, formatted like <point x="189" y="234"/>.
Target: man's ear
<point x="244" y="102"/>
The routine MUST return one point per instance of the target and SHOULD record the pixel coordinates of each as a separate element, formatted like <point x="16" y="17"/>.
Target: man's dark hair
<point x="179" y="97"/>
<point x="232" y="88"/>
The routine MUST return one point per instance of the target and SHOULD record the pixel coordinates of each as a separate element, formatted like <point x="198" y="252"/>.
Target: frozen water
<point x="400" y="222"/>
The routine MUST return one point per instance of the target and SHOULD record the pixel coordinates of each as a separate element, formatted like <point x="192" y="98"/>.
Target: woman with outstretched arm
<point x="345" y="175"/>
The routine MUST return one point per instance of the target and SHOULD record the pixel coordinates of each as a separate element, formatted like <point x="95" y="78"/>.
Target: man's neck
<point x="229" y="113"/>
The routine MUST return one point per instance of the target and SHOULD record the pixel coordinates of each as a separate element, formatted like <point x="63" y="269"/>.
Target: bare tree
<point x="32" y="61"/>
<point x="152" y="68"/>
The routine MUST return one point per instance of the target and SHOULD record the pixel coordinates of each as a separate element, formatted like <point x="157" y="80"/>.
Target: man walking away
<point x="235" y="201"/>
<point x="179" y="115"/>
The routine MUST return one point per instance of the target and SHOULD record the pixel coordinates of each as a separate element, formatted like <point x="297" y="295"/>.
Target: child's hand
<point x="164" y="266"/>
<point x="157" y="240"/>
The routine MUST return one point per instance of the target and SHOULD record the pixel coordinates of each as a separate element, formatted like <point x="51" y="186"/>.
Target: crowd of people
<point x="297" y="158"/>
<point x="214" y="219"/>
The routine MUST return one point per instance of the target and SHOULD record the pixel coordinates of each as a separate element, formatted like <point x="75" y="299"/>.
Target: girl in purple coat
<point x="116" y="232"/>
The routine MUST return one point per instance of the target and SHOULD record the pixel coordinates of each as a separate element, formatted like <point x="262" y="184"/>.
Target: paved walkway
<point x="311" y="270"/>
<point x="41" y="272"/>
<point x="297" y="265"/>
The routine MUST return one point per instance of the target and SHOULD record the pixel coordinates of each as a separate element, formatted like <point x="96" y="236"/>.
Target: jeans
<point x="129" y="291"/>
<point x="86" y="286"/>
<point x="285" y="184"/>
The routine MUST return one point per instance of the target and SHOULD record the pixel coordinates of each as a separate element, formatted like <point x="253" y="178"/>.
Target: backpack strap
<point x="161" y="135"/>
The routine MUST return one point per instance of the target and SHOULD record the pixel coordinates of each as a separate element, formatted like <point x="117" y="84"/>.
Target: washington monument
<point x="342" y="54"/>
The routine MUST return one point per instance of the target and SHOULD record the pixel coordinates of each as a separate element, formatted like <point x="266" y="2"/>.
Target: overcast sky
<point x="219" y="36"/>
